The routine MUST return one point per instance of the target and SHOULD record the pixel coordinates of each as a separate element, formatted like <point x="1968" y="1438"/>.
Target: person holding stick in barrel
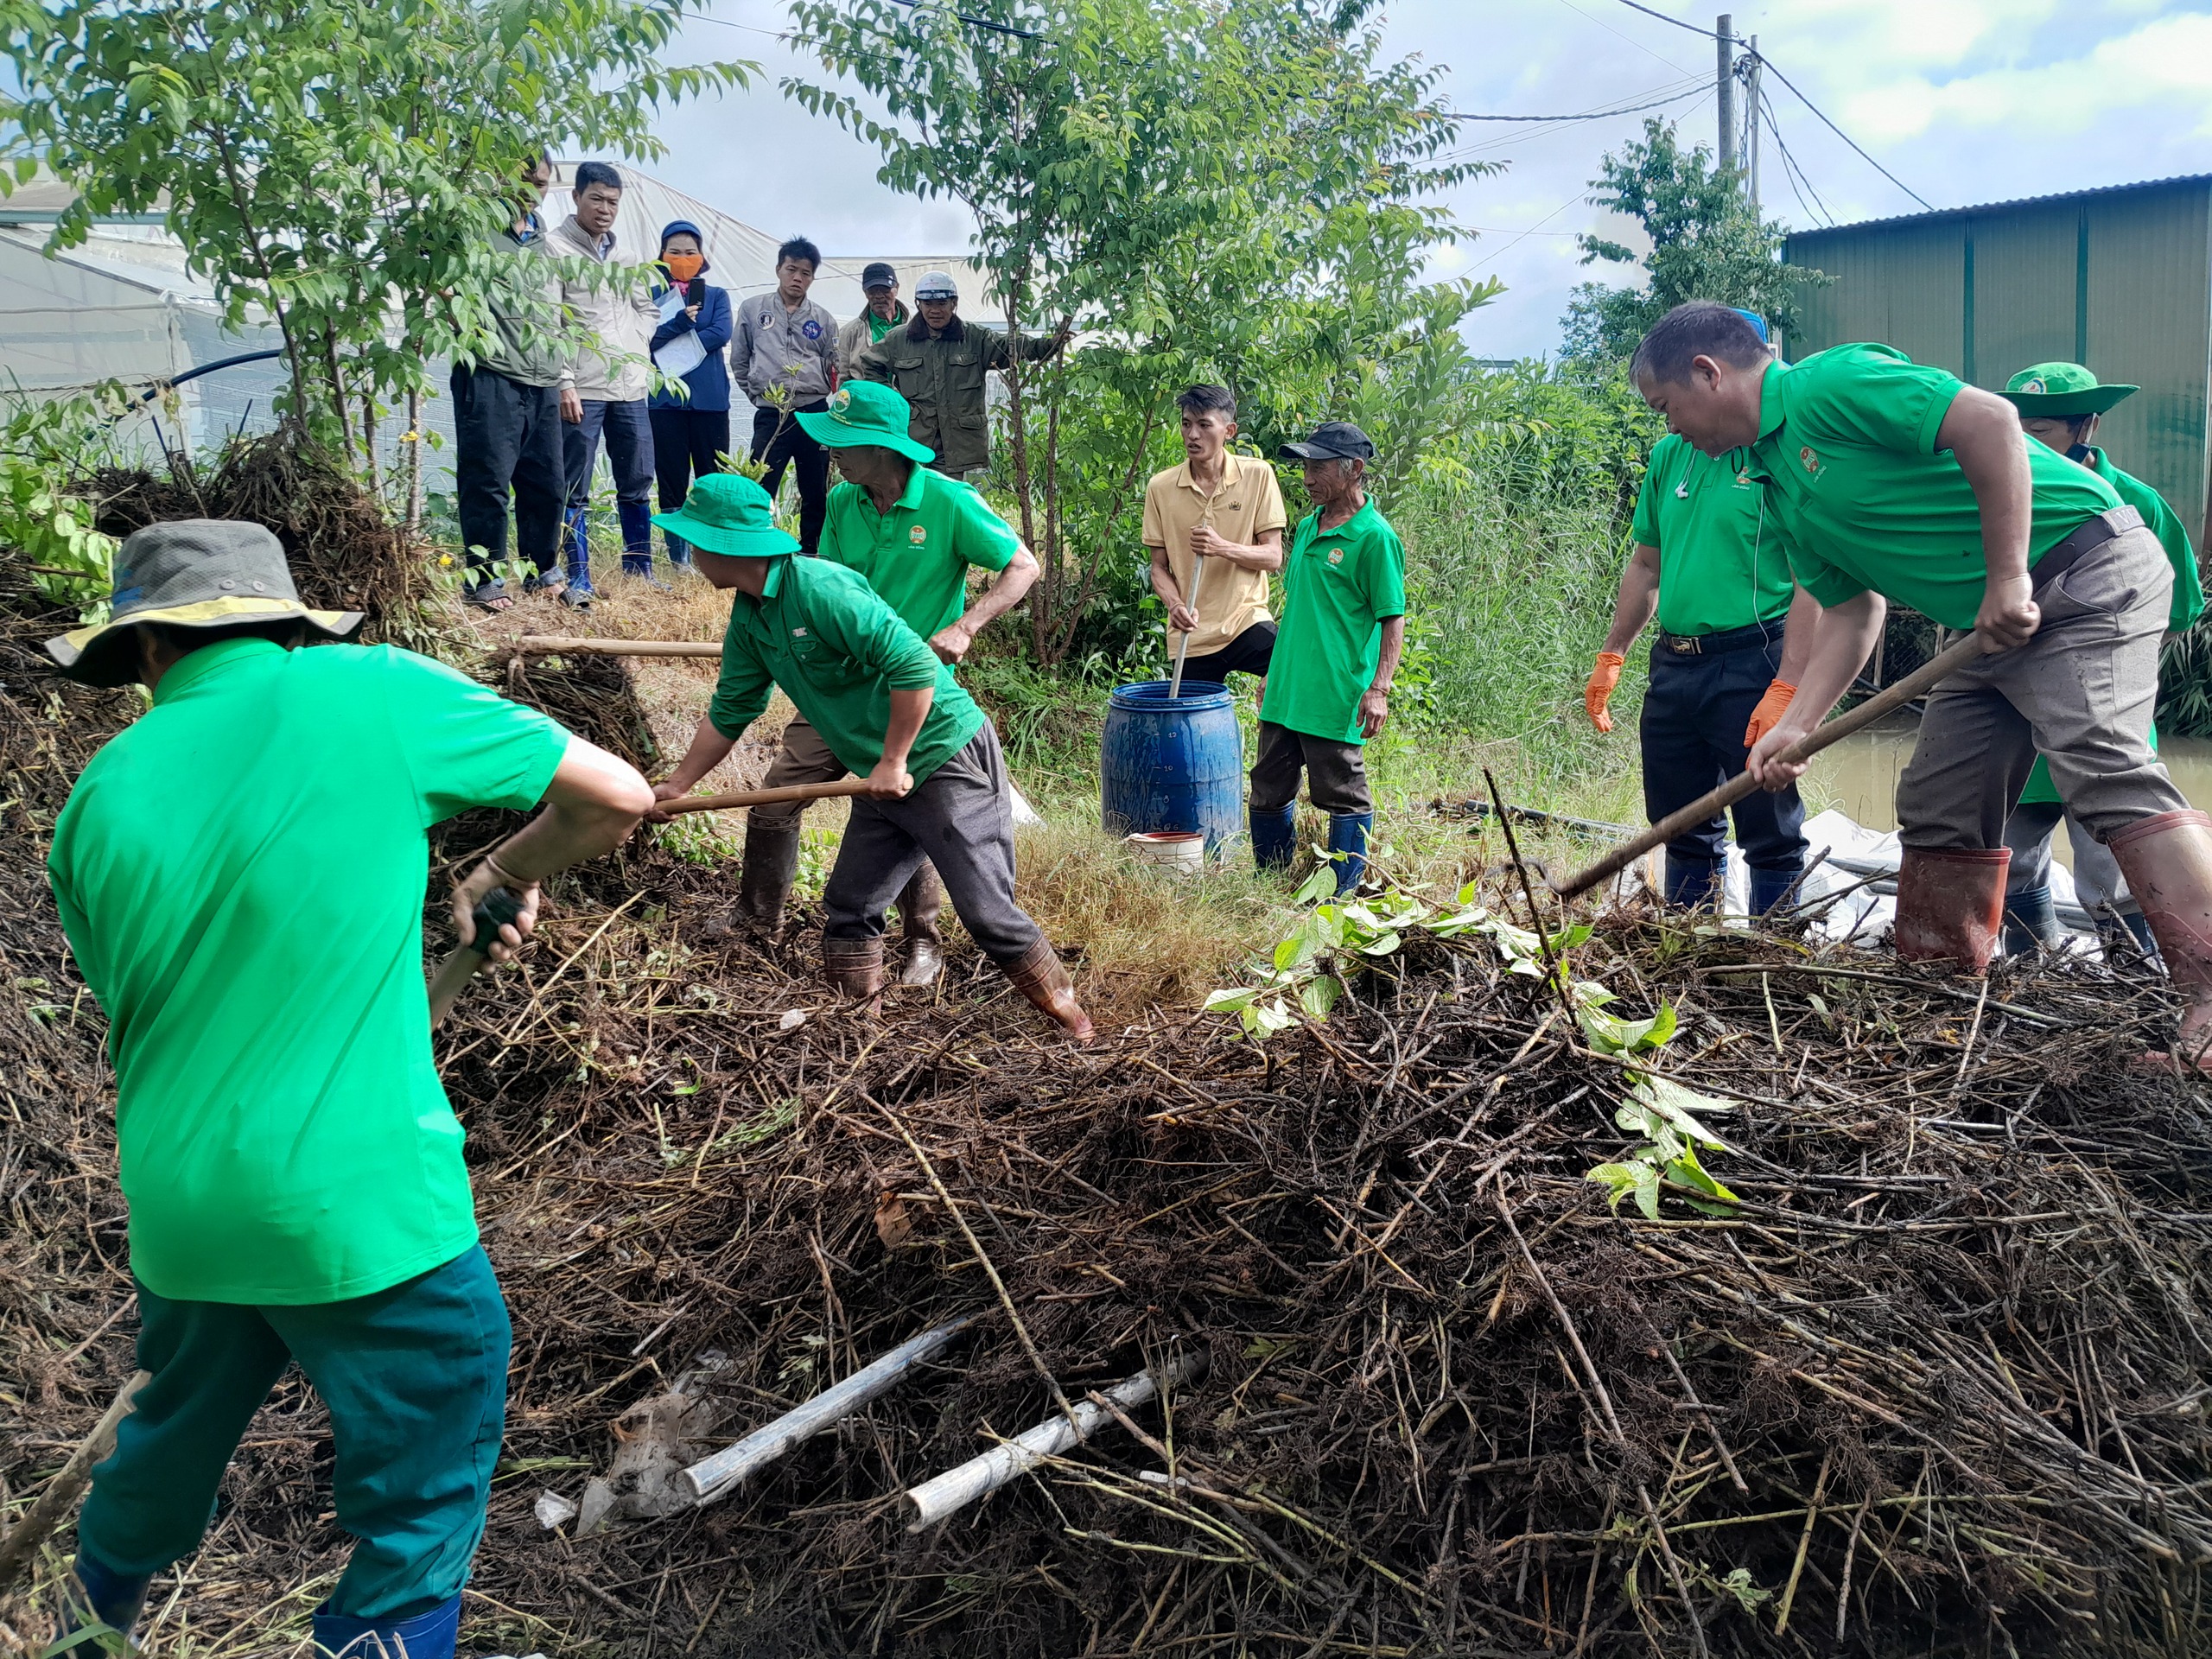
<point x="891" y="712"/>
<point x="1732" y="643"/>
<point x="1220" y="505"/>
<point x="1890" y="478"/>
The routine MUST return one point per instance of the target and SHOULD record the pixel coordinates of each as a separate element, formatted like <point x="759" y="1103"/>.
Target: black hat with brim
<point x="1333" y="440"/>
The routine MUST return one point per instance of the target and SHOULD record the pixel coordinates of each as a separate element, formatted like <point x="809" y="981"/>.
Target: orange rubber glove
<point x="1765" y="717"/>
<point x="1603" y="679"/>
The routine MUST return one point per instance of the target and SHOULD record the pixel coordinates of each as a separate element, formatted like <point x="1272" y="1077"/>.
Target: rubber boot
<point x="2030" y="922"/>
<point x="2167" y="861"/>
<point x="855" y="967"/>
<point x="1768" y="886"/>
<point x="95" y="1594"/>
<point x="575" y="543"/>
<point x="1693" y="883"/>
<point x="919" y="906"/>
<point x="771" y="865"/>
<point x="1274" y="837"/>
<point x="637" y="518"/>
<point x="1951" y="905"/>
<point x="432" y="1635"/>
<point x="679" y="551"/>
<point x="1348" y="836"/>
<point x="1040" y="976"/>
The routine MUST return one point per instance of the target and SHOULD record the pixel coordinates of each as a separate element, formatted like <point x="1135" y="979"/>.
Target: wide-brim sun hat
<point x="191" y="572"/>
<point x="2052" y="391"/>
<point x="865" y="413"/>
<point x="729" y="513"/>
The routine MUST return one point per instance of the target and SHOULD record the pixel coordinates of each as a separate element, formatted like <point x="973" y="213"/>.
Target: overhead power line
<point x="1586" y="115"/>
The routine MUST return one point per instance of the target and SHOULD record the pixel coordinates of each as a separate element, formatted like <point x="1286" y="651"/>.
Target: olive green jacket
<point x="942" y="379"/>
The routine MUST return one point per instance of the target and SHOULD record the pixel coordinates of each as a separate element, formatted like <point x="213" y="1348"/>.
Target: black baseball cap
<point x="877" y="274"/>
<point x="1333" y="441"/>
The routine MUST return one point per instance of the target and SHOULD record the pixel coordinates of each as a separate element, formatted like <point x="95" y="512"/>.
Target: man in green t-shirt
<point x="913" y="534"/>
<point x="240" y="874"/>
<point x="1893" y="480"/>
<point x="2061" y="405"/>
<point x="1731" y="645"/>
<point x="1336" y="653"/>
<point x="892" y="713"/>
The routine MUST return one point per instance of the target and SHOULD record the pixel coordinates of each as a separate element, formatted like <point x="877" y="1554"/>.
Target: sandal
<point x="491" y="596"/>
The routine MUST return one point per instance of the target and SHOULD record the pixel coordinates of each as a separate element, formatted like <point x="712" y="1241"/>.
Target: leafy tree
<point x="335" y="166"/>
<point x="1707" y="242"/>
<point x="1226" y="190"/>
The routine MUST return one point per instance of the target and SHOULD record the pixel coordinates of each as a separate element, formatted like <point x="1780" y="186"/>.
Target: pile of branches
<point x="1930" y="1381"/>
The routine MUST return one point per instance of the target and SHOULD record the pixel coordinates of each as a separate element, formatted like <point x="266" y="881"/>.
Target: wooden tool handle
<point x="557" y="645"/>
<point x="765" y="796"/>
<point x="1674" y="823"/>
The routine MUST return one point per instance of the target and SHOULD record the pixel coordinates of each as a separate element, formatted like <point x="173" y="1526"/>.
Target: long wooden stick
<point x="561" y="644"/>
<point x="1674" y="823"/>
<point x="1175" y="680"/>
<point x="765" y="796"/>
<point x="21" y="1543"/>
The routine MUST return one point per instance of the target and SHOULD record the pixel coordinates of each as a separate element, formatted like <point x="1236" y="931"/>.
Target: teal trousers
<point x="415" y="1381"/>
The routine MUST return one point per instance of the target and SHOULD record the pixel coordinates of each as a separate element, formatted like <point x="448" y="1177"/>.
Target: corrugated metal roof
<point x="1942" y="213"/>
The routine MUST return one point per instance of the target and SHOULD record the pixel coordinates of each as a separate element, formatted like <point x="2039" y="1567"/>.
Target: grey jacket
<point x="853" y="339"/>
<point x="771" y="348"/>
<point x="941" y="376"/>
<point x="525" y="345"/>
<point x="621" y="316"/>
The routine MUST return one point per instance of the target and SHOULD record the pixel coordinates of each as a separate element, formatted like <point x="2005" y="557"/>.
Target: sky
<point x="1963" y="101"/>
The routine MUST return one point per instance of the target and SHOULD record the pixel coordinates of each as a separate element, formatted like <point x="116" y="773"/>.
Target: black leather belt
<point x="1713" y="644"/>
<point x="2087" y="537"/>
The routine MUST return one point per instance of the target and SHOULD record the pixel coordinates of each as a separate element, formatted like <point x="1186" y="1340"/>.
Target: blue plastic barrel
<point x="1172" y="763"/>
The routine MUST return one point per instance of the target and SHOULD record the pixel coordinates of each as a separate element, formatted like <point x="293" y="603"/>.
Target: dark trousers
<point x="781" y="441"/>
<point x="1249" y="653"/>
<point x="1336" y="773"/>
<point x="1695" y="713"/>
<point x="686" y="445"/>
<point x="629" y="437"/>
<point x="416" y="1380"/>
<point x="507" y="437"/>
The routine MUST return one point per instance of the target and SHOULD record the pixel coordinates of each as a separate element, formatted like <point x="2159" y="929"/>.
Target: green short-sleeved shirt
<point x="839" y="652"/>
<point x="2189" y="586"/>
<point x="1847" y="449"/>
<point x="1339" y="587"/>
<point x="918" y="555"/>
<point x="240" y="874"/>
<point x="1702" y="512"/>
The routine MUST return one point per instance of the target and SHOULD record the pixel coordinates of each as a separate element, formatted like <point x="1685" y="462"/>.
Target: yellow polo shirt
<point x="1248" y="504"/>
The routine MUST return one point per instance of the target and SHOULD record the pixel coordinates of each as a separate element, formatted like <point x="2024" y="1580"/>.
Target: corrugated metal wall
<point x="2118" y="279"/>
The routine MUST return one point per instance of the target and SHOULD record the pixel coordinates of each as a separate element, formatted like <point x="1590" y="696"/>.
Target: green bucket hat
<point x="193" y="572"/>
<point x="2053" y="390"/>
<point x="866" y="412"/>
<point x="727" y="513"/>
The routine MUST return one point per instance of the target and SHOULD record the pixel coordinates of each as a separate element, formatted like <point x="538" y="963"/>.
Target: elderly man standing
<point x="890" y="711"/>
<point x="1344" y="627"/>
<point x="914" y="535"/>
<point x="603" y="393"/>
<point x="785" y="355"/>
<point x="937" y="364"/>
<point x="885" y="312"/>
<point x="1223" y="506"/>
<point x="240" y="873"/>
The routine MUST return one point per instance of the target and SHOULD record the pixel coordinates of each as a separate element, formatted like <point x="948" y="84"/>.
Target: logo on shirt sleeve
<point x="918" y="535"/>
<point x="810" y="328"/>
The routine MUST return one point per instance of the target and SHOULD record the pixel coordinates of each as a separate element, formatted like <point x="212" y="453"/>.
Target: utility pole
<point x="1723" y="43"/>
<point x="1751" y="119"/>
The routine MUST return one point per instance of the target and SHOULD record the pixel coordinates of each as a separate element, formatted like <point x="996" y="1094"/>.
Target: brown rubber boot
<point x="1040" y="975"/>
<point x="771" y="865"/>
<point x="919" y="906"/>
<point x="2167" y="861"/>
<point x="1951" y="905"/>
<point x="855" y="967"/>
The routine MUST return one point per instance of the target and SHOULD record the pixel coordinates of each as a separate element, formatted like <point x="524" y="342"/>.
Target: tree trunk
<point x="369" y="442"/>
<point x="414" y="461"/>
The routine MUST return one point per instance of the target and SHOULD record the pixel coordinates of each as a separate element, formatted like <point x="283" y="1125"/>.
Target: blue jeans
<point x="1693" y="736"/>
<point x="629" y="433"/>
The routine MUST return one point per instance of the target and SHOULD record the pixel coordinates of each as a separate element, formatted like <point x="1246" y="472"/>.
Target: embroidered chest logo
<point x="918" y="535"/>
<point x="799" y="633"/>
<point x="810" y="328"/>
<point x="1744" y="478"/>
<point x="1812" y="463"/>
<point x="1336" y="555"/>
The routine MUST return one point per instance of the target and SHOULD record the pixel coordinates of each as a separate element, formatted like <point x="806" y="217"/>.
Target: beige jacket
<point x="620" y="315"/>
<point x="854" y="337"/>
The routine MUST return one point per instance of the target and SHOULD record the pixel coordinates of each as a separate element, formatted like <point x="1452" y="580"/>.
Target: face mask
<point x="682" y="266"/>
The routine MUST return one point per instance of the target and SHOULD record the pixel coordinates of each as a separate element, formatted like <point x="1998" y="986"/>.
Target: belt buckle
<point x="1684" y="646"/>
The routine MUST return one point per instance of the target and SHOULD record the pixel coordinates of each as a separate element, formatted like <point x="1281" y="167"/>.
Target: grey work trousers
<point x="804" y="757"/>
<point x="1336" y="772"/>
<point x="2098" y="884"/>
<point x="959" y="819"/>
<point x="2080" y="691"/>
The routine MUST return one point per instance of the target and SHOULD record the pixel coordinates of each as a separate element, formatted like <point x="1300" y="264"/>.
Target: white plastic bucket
<point x="1181" y="852"/>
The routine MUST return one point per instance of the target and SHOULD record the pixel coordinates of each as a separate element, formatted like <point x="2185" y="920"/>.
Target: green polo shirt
<point x="918" y="555"/>
<point x="241" y="874"/>
<point x="839" y="652"/>
<point x="1702" y="513"/>
<point x="1847" y="449"/>
<point x="1339" y="587"/>
<point x="2188" y="587"/>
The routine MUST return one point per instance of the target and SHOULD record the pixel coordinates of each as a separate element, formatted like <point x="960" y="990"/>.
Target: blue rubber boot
<point x="432" y="1635"/>
<point x="637" y="518"/>
<point x="1348" y="836"/>
<point x="576" y="545"/>
<point x="1768" y="887"/>
<point x="1274" y="837"/>
<point x="1693" y="883"/>
<point x="98" y="1596"/>
<point x="679" y="551"/>
<point x="2031" y="921"/>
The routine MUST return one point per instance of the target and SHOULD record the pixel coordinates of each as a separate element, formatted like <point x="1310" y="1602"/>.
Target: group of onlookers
<point x="531" y="412"/>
